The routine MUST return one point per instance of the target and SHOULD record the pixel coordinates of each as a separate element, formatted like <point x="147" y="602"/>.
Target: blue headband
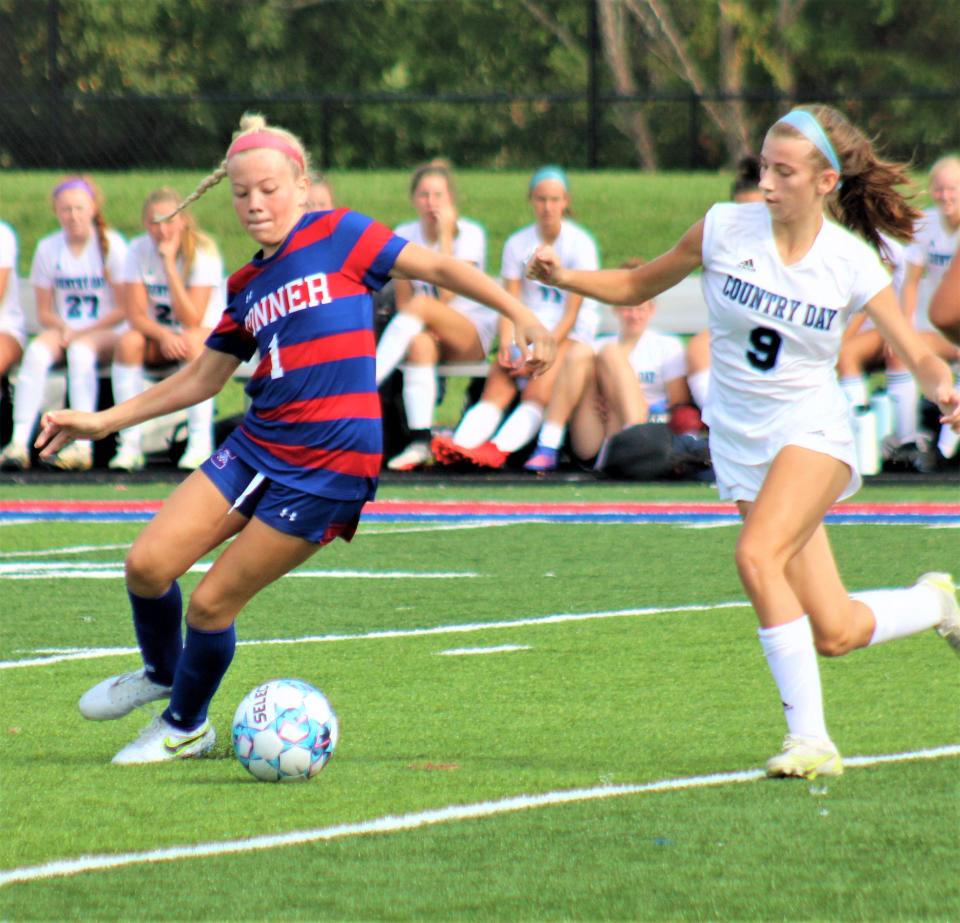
<point x="550" y="172"/>
<point x="812" y="130"/>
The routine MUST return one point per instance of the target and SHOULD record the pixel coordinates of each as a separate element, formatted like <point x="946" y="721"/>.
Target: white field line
<point x="556" y="619"/>
<point x="103" y="570"/>
<point x="470" y="651"/>
<point x="70" y="549"/>
<point x="61" y="868"/>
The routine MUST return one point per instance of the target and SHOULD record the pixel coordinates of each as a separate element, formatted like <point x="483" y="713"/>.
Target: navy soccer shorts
<point x="316" y="519"/>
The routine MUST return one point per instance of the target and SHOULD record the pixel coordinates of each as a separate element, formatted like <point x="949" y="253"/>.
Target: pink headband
<point x="75" y="183"/>
<point x="259" y="139"/>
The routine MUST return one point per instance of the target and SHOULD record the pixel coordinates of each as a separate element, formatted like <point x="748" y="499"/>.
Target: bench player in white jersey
<point x="75" y="273"/>
<point x="615" y="382"/>
<point x="480" y="437"/>
<point x="13" y="328"/>
<point x="432" y="324"/>
<point x="781" y="281"/>
<point x="945" y="303"/>
<point x="174" y="292"/>
<point x="928" y="256"/>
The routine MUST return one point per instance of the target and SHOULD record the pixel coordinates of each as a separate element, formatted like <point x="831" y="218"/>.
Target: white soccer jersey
<point x="470" y="245"/>
<point x="657" y="358"/>
<point x="11" y="313"/>
<point x="145" y="265"/>
<point x="576" y="249"/>
<point x="775" y="330"/>
<point x="932" y="247"/>
<point x="81" y="293"/>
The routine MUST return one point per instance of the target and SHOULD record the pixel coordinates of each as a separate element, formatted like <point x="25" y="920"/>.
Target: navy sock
<point x="157" y="624"/>
<point x="204" y="661"/>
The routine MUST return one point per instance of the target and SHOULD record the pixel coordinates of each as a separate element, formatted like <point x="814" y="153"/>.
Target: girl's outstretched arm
<point x="538" y="344"/>
<point x="195" y="382"/>
<point x="622" y="286"/>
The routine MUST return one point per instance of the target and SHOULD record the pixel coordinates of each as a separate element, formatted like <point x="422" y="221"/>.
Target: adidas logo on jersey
<point x="747" y="264"/>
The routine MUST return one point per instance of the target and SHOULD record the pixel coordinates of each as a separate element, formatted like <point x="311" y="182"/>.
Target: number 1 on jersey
<point x="276" y="369"/>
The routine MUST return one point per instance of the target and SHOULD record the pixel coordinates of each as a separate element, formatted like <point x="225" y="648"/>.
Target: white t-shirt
<point x="11" y="313"/>
<point x="932" y="247"/>
<point x="656" y="358"/>
<point x="144" y="264"/>
<point x="775" y="330"/>
<point x="576" y="249"/>
<point x="81" y="293"/>
<point x="469" y="245"/>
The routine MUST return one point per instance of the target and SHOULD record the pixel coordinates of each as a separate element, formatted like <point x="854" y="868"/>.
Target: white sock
<point x="83" y="386"/>
<point x="200" y="428"/>
<point x="521" y="426"/>
<point x="903" y="612"/>
<point x="792" y="659"/>
<point x="394" y="342"/>
<point x="419" y="395"/>
<point x="855" y="388"/>
<point x="699" y="384"/>
<point x="479" y="423"/>
<point x="28" y="396"/>
<point x="903" y="394"/>
<point x="551" y="435"/>
<point x="948" y="442"/>
<point x="127" y="382"/>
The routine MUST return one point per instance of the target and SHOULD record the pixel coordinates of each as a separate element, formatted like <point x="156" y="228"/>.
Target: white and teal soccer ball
<point x="284" y="731"/>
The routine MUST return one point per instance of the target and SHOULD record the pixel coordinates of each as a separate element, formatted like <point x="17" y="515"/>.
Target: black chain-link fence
<point x="342" y="131"/>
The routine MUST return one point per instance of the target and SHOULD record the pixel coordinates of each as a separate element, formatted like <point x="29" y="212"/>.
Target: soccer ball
<point x="284" y="731"/>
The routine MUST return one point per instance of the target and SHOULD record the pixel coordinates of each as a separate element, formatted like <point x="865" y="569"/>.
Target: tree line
<point x="379" y="83"/>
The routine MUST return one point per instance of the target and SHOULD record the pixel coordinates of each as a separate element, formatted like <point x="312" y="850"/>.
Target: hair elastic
<point x="259" y="139"/>
<point x="808" y="126"/>
<point x="552" y="171"/>
<point x="76" y="182"/>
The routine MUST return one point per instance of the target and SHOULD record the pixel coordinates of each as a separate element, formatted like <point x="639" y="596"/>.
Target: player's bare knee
<point x="144" y="574"/>
<point x="208" y="610"/>
<point x="836" y="644"/>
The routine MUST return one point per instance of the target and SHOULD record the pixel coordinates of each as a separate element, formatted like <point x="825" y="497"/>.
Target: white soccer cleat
<point x="949" y="625"/>
<point x="127" y="460"/>
<point x="120" y="695"/>
<point x="14" y="458"/>
<point x="415" y="455"/>
<point x="192" y="459"/>
<point x="160" y="742"/>
<point x="74" y="457"/>
<point x="805" y="758"/>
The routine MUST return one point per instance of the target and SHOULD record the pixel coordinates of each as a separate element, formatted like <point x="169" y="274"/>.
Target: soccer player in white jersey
<point x="480" y="438"/>
<point x="432" y="324"/>
<point x="174" y="297"/>
<point x="13" y="329"/>
<point x="781" y="281"/>
<point x="74" y="275"/>
<point x="615" y="382"/>
<point x="928" y="256"/>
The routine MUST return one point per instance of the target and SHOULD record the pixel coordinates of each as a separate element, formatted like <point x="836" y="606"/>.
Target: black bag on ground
<point x="649" y="451"/>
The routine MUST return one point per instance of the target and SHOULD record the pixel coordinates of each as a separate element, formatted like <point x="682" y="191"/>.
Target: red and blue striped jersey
<point x="314" y="417"/>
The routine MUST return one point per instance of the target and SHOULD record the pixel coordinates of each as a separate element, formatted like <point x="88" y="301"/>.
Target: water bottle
<point x="865" y="437"/>
<point x="515" y="355"/>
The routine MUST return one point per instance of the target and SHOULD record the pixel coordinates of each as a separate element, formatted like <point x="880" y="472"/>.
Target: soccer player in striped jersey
<point x="297" y="472"/>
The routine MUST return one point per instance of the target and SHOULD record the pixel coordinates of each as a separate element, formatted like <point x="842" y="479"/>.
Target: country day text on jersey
<point x="772" y="304"/>
<point x="296" y="295"/>
<point x="79" y="283"/>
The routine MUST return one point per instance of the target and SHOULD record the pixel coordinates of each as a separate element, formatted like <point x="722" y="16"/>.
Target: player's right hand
<point x="544" y="265"/>
<point x="61" y="427"/>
